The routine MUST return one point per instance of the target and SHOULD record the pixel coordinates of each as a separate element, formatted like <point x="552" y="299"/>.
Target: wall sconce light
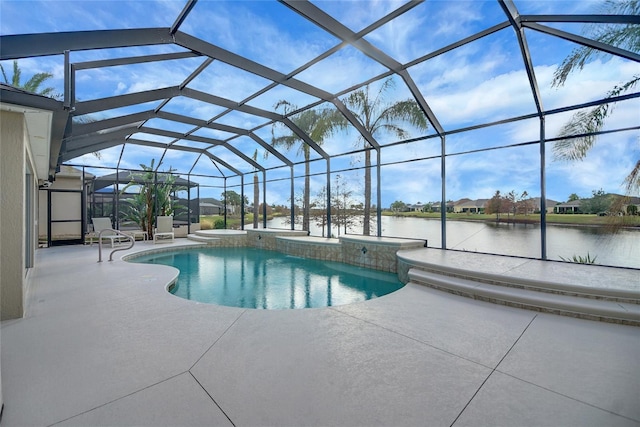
<point x="363" y="250"/>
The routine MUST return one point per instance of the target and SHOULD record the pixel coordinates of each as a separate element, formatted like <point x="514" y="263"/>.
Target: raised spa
<point x="262" y="279"/>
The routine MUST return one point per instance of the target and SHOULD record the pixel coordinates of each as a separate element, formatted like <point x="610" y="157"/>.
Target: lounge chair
<point x="100" y="224"/>
<point x="164" y="229"/>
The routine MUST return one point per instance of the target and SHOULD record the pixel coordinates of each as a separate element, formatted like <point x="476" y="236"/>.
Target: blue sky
<point x="481" y="82"/>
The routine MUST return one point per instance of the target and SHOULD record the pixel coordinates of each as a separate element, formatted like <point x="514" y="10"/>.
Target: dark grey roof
<point x="123" y="178"/>
<point x="572" y="203"/>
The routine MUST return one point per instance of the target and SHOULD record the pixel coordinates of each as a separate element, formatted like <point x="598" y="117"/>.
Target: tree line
<point x="512" y="203"/>
<point x="604" y="204"/>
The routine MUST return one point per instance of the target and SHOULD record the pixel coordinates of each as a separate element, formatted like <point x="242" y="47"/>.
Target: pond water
<point x="621" y="249"/>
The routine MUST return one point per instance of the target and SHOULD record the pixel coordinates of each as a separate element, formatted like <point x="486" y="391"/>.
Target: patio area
<point x="105" y="344"/>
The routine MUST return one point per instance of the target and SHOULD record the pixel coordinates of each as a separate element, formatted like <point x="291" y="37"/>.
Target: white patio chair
<point x="164" y="229"/>
<point x="100" y="224"/>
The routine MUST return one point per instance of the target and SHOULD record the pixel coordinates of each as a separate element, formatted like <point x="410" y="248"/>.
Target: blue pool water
<point x="256" y="278"/>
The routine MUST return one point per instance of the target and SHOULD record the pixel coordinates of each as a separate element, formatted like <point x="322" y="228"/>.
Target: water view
<point x="621" y="249"/>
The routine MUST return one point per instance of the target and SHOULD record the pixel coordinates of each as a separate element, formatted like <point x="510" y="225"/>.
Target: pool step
<point x="605" y="307"/>
<point x="202" y="239"/>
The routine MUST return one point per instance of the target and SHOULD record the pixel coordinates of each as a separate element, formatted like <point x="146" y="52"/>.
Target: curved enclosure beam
<point x="514" y="17"/>
<point x="43" y="44"/>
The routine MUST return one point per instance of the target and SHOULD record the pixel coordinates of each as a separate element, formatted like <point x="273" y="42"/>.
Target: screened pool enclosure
<point x="329" y="115"/>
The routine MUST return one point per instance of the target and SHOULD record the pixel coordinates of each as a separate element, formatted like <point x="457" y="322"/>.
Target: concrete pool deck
<point x="105" y="344"/>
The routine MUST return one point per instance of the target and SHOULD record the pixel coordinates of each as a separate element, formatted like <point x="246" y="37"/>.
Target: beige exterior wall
<point x="12" y="232"/>
<point x="24" y="153"/>
<point x="18" y="215"/>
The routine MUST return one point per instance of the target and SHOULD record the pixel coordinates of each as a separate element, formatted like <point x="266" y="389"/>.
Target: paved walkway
<point x="104" y="344"/>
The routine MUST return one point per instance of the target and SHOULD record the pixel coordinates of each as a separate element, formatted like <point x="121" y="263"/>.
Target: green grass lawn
<point x="569" y="219"/>
<point x="207" y="222"/>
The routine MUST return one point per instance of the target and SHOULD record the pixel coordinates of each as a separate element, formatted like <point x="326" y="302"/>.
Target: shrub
<point x="578" y="259"/>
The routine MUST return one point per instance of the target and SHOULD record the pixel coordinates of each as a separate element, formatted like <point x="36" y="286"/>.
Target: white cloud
<point x="555" y="7"/>
<point x="592" y="82"/>
<point x="411" y="182"/>
<point x="504" y="95"/>
<point x="354" y="15"/>
<point x="265" y="37"/>
<point x="228" y="82"/>
<point x="453" y="19"/>
<point x="268" y="100"/>
<point x="341" y="70"/>
<point x="108" y="158"/>
<point x="397" y="38"/>
<point x="509" y="94"/>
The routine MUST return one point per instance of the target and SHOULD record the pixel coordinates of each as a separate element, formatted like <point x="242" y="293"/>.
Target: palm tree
<point x="32" y="85"/>
<point x="233" y="199"/>
<point x="154" y="196"/>
<point x="136" y="210"/>
<point x="318" y="124"/>
<point x="164" y="190"/>
<point x="142" y="206"/>
<point x="377" y="116"/>
<point x="625" y="36"/>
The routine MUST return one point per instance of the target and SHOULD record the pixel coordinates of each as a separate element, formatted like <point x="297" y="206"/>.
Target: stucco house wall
<point x="23" y="134"/>
<point x="13" y="135"/>
<point x="12" y="225"/>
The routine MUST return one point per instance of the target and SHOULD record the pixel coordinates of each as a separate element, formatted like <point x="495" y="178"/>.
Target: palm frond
<point x="358" y="105"/>
<point x="285" y="141"/>
<point x="395" y="130"/>
<point x="285" y="105"/>
<point x="617" y="7"/>
<point x="388" y="84"/>
<point x="407" y="111"/>
<point x="632" y="181"/>
<point x="15" y="80"/>
<point x="322" y="126"/>
<point x="49" y="91"/>
<point x="622" y="36"/>
<point x="4" y="74"/>
<point x="33" y="84"/>
<point x="584" y="124"/>
<point x="374" y="116"/>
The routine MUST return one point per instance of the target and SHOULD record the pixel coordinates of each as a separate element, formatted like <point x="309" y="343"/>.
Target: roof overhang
<point x="45" y="119"/>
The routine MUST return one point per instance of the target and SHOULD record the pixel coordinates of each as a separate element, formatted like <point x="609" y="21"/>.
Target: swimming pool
<point x="262" y="279"/>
